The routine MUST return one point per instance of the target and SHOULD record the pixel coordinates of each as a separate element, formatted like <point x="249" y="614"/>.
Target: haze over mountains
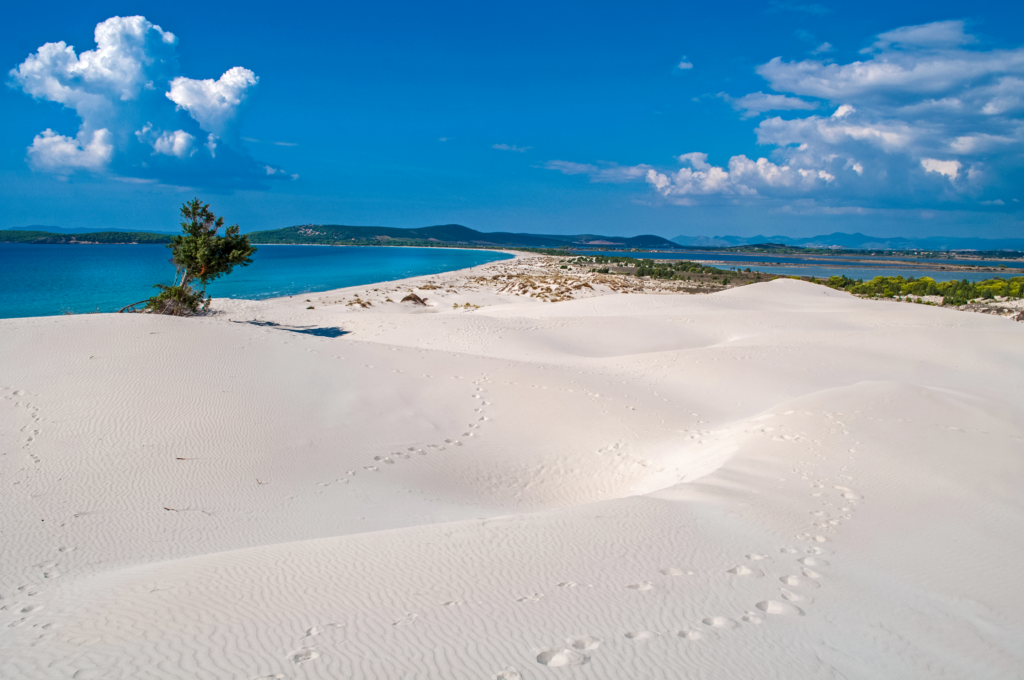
<point x="458" y="234"/>
<point x="857" y="241"/>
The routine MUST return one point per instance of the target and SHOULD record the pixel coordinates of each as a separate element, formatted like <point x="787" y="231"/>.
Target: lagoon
<point x="819" y="267"/>
<point x="45" y="280"/>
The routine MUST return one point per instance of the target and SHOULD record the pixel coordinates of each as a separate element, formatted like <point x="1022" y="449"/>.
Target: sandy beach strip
<point x="522" y="477"/>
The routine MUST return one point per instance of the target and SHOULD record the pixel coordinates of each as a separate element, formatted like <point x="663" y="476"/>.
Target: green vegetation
<point x="952" y="292"/>
<point x="673" y="270"/>
<point x="102" y="237"/>
<point x="660" y="269"/>
<point x="200" y="255"/>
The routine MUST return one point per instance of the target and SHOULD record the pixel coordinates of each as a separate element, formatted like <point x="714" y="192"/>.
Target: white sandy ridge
<point x="775" y="481"/>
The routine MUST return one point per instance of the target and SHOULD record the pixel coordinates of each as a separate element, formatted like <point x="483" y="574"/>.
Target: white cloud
<point x="55" y="153"/>
<point x="924" y="101"/>
<point x="213" y="103"/>
<point x="511" y="147"/>
<point x="948" y="168"/>
<point x="609" y="173"/>
<point x="823" y="48"/>
<point x="912" y="62"/>
<point x="696" y="159"/>
<point x="130" y="52"/>
<point x="936" y="34"/>
<point x="122" y="92"/>
<point x="744" y="177"/>
<point x="756" y="103"/>
<point x="684" y="64"/>
<point x="178" y="143"/>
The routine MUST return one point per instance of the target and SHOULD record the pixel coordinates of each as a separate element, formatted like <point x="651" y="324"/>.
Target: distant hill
<point x="104" y="237"/>
<point x="80" y="230"/>
<point x="856" y="242"/>
<point x="334" y="234"/>
<point x="446" y="234"/>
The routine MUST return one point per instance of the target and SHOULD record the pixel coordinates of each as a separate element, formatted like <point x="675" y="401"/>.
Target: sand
<point x="777" y="480"/>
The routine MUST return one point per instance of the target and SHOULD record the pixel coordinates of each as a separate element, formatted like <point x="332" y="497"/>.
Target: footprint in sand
<point x="384" y="459"/>
<point x="788" y="550"/>
<point x="756" y="557"/>
<point x="690" y="634"/>
<point x="810" y="573"/>
<point x="812" y="562"/>
<point x="642" y="586"/>
<point x="742" y="570"/>
<point x="405" y="621"/>
<point x="812" y="537"/>
<point x="719" y="622"/>
<point x="584" y="643"/>
<point x="799" y="582"/>
<point x="316" y="630"/>
<point x="530" y="598"/>
<point x="779" y="608"/>
<point x="640" y="635"/>
<point x="848" y="493"/>
<point x="451" y="603"/>
<point x="304" y="655"/>
<point x="508" y="674"/>
<point x="674" y="571"/>
<point x="751" y="617"/>
<point x="790" y="596"/>
<point x="562" y="657"/>
<point x="568" y="584"/>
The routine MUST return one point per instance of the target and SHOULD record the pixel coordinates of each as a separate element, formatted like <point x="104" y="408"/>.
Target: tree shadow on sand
<point x="319" y="331"/>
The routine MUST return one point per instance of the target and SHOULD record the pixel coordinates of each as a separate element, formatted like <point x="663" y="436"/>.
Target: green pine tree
<point x="199" y="255"/>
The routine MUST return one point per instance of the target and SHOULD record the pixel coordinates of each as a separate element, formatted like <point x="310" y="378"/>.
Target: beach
<point x="514" y="474"/>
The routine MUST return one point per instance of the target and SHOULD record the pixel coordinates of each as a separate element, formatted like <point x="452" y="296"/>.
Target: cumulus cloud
<point x="177" y="143"/>
<point x="55" y="153"/>
<point x="213" y="103"/>
<point x="744" y="177"/>
<point x="950" y="169"/>
<point x="139" y="119"/>
<point x="756" y="103"/>
<point x="927" y="117"/>
<point x="684" y="64"/>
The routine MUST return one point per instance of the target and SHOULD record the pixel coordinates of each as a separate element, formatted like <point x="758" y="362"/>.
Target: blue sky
<point x="793" y="118"/>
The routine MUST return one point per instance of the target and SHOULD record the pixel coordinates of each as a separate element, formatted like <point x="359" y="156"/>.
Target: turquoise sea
<point x="44" y="280"/>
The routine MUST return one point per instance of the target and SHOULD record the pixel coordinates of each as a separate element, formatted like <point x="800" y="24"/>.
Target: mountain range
<point x="856" y="241"/>
<point x="452" y="234"/>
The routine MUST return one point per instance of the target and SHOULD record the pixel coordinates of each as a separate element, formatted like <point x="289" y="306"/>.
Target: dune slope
<point x="775" y="481"/>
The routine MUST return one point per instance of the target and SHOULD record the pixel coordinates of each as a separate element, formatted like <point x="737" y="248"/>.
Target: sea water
<point x="43" y="280"/>
<point x="817" y="267"/>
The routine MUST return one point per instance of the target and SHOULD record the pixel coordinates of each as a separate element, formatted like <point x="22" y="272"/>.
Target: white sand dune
<point x="775" y="481"/>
